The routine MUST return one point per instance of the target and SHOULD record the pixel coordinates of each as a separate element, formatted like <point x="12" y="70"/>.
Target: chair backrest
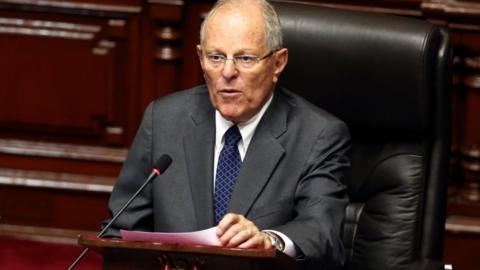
<point x="388" y="78"/>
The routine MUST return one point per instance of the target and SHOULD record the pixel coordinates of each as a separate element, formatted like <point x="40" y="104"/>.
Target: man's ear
<point x="199" y="54"/>
<point x="281" y="59"/>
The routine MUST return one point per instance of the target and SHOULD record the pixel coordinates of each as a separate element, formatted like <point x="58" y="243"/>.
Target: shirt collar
<point x="247" y="128"/>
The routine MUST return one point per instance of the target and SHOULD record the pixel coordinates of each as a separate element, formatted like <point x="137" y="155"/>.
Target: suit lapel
<point x="198" y="147"/>
<point x="262" y="157"/>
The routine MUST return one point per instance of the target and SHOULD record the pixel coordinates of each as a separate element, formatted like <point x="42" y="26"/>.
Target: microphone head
<point x="162" y="163"/>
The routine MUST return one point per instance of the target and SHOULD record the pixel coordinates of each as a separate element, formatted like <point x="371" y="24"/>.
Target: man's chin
<point x="231" y="114"/>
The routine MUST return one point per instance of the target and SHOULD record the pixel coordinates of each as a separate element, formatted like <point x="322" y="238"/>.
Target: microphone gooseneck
<point x="160" y="166"/>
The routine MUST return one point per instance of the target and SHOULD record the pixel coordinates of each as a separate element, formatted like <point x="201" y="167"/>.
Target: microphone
<point x="160" y="166"/>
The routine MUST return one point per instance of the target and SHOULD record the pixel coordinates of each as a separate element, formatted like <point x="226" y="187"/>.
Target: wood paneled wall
<point x="76" y="75"/>
<point x="69" y="106"/>
<point x="69" y="71"/>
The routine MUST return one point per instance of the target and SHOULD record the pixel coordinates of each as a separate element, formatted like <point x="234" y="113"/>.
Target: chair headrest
<point x="338" y="57"/>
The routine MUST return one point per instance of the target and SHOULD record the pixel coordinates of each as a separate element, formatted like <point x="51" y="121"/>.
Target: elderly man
<point x="256" y="160"/>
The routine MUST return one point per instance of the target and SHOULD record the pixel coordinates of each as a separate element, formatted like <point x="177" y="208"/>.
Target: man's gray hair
<point x="273" y="30"/>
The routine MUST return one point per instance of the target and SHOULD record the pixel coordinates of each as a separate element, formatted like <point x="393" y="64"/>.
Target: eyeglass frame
<point x="256" y="59"/>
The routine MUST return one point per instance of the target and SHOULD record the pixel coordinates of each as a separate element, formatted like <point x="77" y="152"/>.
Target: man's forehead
<point x="234" y="43"/>
<point x="233" y="24"/>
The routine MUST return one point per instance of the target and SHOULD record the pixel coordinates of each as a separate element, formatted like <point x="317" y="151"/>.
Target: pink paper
<point x="206" y="237"/>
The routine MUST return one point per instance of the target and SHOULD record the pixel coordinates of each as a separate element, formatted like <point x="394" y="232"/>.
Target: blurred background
<point x="76" y="75"/>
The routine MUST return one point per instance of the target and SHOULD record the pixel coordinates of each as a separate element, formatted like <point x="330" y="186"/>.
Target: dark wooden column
<point x="463" y="20"/>
<point x="161" y="50"/>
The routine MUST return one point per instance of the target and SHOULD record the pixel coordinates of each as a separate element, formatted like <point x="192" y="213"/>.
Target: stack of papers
<point x="206" y="237"/>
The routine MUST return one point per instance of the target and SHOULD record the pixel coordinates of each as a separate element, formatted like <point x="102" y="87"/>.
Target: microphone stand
<point x="154" y="174"/>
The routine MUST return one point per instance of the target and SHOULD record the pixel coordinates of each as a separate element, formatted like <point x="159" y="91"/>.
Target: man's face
<point x="238" y="93"/>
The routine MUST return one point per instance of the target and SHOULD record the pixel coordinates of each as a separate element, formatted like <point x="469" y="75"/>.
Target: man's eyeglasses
<point x="243" y="61"/>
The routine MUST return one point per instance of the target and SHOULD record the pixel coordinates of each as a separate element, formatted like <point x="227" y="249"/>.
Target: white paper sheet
<point x="206" y="237"/>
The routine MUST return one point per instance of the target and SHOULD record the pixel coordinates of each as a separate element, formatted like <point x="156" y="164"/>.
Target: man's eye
<point x="216" y="57"/>
<point x="247" y="59"/>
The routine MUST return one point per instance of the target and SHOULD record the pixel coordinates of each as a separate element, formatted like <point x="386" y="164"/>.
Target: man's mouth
<point x="229" y="92"/>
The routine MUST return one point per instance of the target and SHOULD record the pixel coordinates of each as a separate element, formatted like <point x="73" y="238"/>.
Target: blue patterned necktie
<point x="228" y="168"/>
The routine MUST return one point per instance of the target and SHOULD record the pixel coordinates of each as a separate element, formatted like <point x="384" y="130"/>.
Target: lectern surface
<point x="119" y="254"/>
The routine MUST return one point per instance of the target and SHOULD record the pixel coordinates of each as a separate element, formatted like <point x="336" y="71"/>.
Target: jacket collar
<point x="261" y="158"/>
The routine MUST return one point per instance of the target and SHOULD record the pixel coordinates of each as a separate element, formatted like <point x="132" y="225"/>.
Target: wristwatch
<point x="275" y="240"/>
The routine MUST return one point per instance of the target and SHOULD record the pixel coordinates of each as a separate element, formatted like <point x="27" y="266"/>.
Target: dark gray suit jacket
<point x="290" y="179"/>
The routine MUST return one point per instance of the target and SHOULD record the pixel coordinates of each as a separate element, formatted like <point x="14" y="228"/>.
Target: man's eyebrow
<point x="239" y="52"/>
<point x="247" y="52"/>
<point x="213" y="51"/>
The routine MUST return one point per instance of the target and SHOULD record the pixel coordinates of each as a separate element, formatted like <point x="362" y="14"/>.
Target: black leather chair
<point x="388" y="78"/>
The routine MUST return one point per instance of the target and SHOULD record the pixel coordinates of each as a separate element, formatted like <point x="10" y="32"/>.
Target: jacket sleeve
<point x="135" y="170"/>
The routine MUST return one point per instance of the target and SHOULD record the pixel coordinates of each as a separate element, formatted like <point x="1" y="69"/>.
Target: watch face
<point x="272" y="240"/>
<point x="275" y="241"/>
<point x="279" y="244"/>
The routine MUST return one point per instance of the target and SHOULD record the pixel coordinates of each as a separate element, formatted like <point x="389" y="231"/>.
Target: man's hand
<point x="237" y="231"/>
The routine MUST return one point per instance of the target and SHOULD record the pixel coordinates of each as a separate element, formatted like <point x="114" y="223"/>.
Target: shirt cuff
<point x="289" y="248"/>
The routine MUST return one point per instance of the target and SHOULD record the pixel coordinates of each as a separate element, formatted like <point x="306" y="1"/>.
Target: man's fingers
<point x="258" y="241"/>
<point x="230" y="233"/>
<point x="239" y="238"/>
<point x="227" y="221"/>
<point x="237" y="231"/>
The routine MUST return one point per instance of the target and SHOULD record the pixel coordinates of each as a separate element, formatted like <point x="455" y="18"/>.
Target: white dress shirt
<point x="247" y="129"/>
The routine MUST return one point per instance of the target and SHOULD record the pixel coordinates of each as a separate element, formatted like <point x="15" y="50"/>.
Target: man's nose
<point x="229" y="69"/>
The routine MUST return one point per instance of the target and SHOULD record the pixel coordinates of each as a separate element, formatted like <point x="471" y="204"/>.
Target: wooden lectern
<point x="119" y="254"/>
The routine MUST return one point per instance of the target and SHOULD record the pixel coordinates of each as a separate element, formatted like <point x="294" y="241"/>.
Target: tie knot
<point x="232" y="136"/>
